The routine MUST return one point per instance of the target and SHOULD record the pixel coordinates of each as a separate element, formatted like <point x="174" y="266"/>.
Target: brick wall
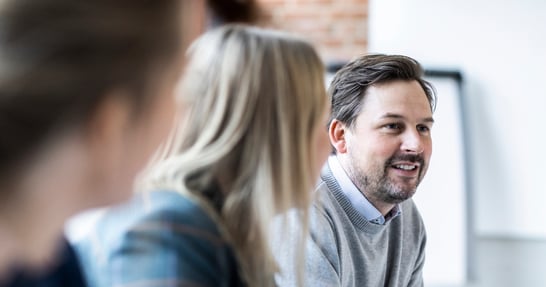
<point x="338" y="28"/>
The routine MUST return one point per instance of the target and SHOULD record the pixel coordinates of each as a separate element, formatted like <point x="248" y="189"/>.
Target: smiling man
<point x="365" y="229"/>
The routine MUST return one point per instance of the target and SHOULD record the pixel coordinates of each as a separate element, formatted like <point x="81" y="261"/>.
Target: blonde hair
<point x="257" y="96"/>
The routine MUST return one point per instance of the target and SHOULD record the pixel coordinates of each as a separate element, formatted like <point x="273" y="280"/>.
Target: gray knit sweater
<point x="345" y="249"/>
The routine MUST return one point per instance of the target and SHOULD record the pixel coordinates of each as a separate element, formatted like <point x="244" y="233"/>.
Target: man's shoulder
<point x="324" y="201"/>
<point x="323" y="194"/>
<point x="327" y="216"/>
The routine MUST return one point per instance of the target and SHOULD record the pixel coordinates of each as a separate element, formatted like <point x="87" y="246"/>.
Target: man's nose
<point x="412" y="142"/>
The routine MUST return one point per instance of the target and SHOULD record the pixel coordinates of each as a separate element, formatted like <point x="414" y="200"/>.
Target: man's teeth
<point x="405" y="167"/>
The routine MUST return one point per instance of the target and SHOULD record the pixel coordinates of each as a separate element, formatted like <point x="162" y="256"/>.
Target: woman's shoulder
<point x="160" y="208"/>
<point x="157" y="226"/>
<point x="176" y="206"/>
<point x="161" y="214"/>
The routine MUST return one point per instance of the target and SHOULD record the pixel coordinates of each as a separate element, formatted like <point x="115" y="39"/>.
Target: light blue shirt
<point x="357" y="199"/>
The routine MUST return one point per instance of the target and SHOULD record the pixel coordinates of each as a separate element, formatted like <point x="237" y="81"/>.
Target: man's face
<point x="389" y="146"/>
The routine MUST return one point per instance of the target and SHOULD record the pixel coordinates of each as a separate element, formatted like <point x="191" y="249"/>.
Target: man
<point x="365" y="229"/>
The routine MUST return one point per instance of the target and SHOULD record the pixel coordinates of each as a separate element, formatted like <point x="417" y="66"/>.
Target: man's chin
<point x="401" y="193"/>
<point x="404" y="185"/>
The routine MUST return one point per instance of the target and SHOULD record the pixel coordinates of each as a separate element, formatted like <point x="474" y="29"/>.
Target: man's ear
<point x="337" y="133"/>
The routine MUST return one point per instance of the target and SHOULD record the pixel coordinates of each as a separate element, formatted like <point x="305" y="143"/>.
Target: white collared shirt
<point x="357" y="198"/>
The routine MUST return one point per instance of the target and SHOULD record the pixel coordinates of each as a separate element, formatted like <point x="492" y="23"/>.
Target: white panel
<point x="441" y="197"/>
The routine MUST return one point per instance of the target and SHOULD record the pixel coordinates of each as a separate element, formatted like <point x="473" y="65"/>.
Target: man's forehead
<point x="395" y="96"/>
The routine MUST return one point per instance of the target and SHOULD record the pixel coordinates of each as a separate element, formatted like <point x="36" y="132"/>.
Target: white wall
<point x="441" y="197"/>
<point x="500" y="46"/>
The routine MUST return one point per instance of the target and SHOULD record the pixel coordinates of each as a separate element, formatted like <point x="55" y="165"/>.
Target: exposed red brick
<point x="338" y="28"/>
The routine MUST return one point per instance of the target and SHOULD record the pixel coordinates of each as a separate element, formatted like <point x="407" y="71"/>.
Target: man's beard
<point x="377" y="186"/>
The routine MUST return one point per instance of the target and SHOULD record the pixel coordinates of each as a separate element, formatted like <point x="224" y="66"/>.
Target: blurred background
<point x="483" y="198"/>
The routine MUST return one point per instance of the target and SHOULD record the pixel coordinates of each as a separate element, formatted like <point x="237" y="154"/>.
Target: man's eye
<point x="393" y="126"/>
<point x="423" y="129"/>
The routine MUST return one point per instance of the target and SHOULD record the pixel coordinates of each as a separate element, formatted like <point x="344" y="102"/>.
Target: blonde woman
<point x="252" y="147"/>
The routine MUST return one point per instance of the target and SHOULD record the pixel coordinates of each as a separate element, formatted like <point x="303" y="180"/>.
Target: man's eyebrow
<point x="392" y="116"/>
<point x="428" y="120"/>
<point x="397" y="116"/>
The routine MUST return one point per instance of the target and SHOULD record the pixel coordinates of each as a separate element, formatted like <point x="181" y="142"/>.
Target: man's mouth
<point x="405" y="171"/>
<point x="406" y="167"/>
<point x="406" y="163"/>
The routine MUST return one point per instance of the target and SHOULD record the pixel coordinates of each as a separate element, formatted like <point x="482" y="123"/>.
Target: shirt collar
<point x="356" y="198"/>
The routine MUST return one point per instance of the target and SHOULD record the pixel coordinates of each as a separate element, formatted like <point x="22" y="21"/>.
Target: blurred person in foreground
<point x="64" y="269"/>
<point x="86" y="95"/>
<point x="365" y="229"/>
<point x="251" y="146"/>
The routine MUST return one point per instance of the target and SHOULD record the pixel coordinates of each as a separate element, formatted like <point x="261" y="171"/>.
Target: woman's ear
<point x="336" y="132"/>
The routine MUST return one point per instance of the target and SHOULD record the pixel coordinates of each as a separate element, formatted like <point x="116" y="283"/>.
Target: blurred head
<point x="381" y="123"/>
<point x="256" y="130"/>
<point x="85" y="94"/>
